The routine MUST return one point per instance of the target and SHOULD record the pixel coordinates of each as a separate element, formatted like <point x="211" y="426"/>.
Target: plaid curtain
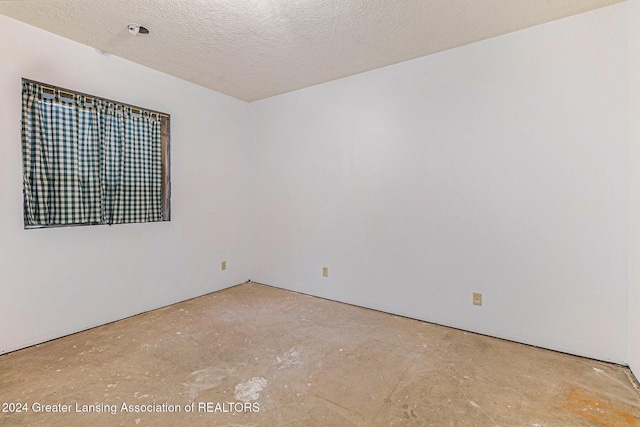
<point x="88" y="161"/>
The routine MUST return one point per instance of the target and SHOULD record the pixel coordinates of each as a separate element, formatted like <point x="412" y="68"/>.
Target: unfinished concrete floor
<point x="297" y="360"/>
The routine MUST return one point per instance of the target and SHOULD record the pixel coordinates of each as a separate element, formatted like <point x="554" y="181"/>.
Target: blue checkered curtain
<point x="88" y="161"/>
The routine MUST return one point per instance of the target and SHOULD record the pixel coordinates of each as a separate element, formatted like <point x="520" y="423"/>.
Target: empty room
<point x="320" y="213"/>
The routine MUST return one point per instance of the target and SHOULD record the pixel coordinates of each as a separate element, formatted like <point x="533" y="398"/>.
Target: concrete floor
<point x="254" y="355"/>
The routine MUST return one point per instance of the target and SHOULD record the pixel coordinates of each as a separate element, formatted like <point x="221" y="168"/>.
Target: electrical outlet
<point x="477" y="298"/>
<point x="223" y="265"/>
<point x="325" y="271"/>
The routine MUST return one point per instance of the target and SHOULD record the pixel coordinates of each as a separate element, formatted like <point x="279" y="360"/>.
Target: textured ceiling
<point x="253" y="49"/>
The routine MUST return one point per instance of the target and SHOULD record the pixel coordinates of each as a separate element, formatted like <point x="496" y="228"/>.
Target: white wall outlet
<point x="477" y="298"/>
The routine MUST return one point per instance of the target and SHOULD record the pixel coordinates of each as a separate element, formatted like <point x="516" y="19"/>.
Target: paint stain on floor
<point x="603" y="412"/>
<point x="250" y="390"/>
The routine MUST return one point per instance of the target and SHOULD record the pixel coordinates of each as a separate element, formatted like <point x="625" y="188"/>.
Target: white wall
<point x="499" y="167"/>
<point x="57" y="281"/>
<point x="634" y="185"/>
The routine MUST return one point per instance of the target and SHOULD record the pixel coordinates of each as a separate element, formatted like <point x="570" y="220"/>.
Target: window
<point x="88" y="160"/>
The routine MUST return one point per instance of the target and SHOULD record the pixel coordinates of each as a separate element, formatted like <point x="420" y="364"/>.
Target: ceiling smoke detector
<point x="136" y="29"/>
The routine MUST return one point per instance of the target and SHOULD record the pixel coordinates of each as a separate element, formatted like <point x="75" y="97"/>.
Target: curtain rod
<point x="75" y="92"/>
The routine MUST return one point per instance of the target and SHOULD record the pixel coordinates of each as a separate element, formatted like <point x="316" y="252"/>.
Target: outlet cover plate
<point x="477" y="298"/>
